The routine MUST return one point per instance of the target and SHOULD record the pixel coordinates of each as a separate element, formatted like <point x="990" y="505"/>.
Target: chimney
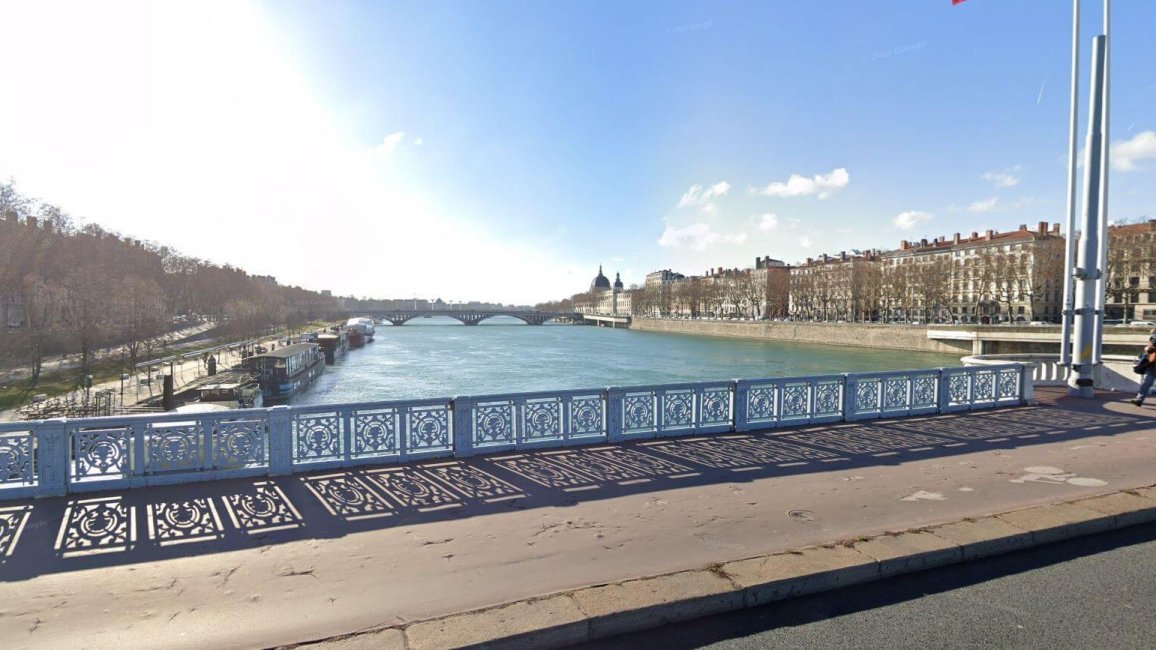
<point x="904" y="245"/>
<point x="974" y="236"/>
<point x="843" y="255"/>
<point x="810" y="261"/>
<point x="1055" y="228"/>
<point x="1042" y="228"/>
<point x="987" y="235"/>
<point x="955" y="238"/>
<point x="1023" y="227"/>
<point x="923" y="242"/>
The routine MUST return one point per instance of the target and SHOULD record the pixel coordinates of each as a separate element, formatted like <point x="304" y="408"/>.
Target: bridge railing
<point x="57" y="457"/>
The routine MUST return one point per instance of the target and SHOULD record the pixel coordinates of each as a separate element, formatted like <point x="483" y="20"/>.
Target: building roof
<point x="287" y="351"/>
<point x="600" y="281"/>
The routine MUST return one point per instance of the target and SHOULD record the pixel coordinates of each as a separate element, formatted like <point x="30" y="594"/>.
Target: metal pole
<point x="1102" y="285"/>
<point x="1087" y="275"/>
<point x="1070" y="242"/>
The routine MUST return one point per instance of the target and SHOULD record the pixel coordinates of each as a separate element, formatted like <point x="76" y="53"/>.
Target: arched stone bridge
<point x="469" y="317"/>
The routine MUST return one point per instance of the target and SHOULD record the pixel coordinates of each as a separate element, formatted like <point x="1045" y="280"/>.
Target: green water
<point x="439" y="357"/>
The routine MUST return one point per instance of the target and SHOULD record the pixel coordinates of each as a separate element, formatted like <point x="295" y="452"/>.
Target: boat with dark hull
<point x="286" y="371"/>
<point x="334" y="345"/>
<point x="364" y="326"/>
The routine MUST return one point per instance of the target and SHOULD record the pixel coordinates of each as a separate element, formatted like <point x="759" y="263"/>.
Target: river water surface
<point x="440" y="357"/>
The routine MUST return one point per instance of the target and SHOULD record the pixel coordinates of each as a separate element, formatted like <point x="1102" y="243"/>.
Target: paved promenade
<point x="266" y="562"/>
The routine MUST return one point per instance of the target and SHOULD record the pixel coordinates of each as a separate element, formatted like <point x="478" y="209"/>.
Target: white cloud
<point x="768" y="222"/>
<point x="390" y="142"/>
<point x="986" y="205"/>
<point x="822" y="185"/>
<point x="1126" y="153"/>
<point x="718" y="189"/>
<point x="417" y="142"/>
<point x="696" y="236"/>
<point x="704" y="196"/>
<point x="910" y="219"/>
<point x="1001" y="178"/>
<point x="806" y="242"/>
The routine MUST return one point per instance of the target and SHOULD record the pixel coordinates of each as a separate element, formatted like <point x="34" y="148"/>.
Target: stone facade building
<point x="605" y="298"/>
<point x="1015" y="276"/>
<point x="1131" y="288"/>
<point x="990" y="278"/>
<point x="835" y="288"/>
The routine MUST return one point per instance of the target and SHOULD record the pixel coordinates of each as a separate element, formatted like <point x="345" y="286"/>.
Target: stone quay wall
<point x="865" y="335"/>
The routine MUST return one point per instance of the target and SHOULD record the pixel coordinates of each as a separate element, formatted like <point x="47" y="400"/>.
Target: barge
<point x="284" y="372"/>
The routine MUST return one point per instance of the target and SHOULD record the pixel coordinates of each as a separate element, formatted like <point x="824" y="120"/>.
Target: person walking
<point x="1150" y="376"/>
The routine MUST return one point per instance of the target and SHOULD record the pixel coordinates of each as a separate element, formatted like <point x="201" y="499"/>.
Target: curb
<point x="607" y="610"/>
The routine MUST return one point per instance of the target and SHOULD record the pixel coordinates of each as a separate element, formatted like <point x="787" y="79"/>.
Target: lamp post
<point x="1085" y="282"/>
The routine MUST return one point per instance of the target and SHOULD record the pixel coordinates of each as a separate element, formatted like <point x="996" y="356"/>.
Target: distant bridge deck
<point x="468" y="316"/>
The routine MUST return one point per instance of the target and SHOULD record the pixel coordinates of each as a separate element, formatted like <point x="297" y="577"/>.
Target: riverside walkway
<point x="265" y="561"/>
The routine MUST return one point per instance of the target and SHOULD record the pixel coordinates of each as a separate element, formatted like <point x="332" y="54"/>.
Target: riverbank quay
<point x="142" y="386"/>
<point x="948" y="339"/>
<point x="866" y="335"/>
<point x="556" y="546"/>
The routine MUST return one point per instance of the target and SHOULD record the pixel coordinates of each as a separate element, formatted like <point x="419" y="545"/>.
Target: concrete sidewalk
<point x="402" y="552"/>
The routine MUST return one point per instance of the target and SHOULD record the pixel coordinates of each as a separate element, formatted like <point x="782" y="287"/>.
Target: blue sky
<point x="503" y="150"/>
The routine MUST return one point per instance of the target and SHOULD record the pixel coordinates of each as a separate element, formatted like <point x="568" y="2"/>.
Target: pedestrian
<point x="1150" y="376"/>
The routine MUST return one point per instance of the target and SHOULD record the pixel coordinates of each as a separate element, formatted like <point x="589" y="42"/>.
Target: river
<point x="440" y="357"/>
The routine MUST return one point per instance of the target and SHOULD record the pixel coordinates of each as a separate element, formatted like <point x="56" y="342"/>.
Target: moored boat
<point x="286" y="371"/>
<point x="363" y="325"/>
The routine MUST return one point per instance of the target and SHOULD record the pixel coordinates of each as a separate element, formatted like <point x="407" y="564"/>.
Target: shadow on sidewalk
<point x="47" y="536"/>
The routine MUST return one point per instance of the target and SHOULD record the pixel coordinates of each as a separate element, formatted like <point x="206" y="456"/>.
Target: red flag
<point x="956" y="2"/>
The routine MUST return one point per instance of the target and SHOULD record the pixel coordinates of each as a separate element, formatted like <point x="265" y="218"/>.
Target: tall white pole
<point x="1082" y="379"/>
<point x="1105" y="145"/>
<point x="1070" y="226"/>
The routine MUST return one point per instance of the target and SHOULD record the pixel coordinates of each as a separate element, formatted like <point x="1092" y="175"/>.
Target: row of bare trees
<point x="69" y="289"/>
<point x="984" y="282"/>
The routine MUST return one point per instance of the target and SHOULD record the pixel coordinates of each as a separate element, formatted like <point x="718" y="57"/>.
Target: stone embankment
<point x="867" y="335"/>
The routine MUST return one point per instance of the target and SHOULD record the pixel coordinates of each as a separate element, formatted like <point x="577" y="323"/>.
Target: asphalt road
<point x="1096" y="592"/>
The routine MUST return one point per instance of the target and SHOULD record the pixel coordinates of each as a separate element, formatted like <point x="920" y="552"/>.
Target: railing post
<point x="280" y="441"/>
<point x="1027" y="383"/>
<point x="614" y="417"/>
<point x="944" y="397"/>
<point x="52" y="458"/>
<point x="736" y="415"/>
<point x="462" y="410"/>
<point x="850" y="391"/>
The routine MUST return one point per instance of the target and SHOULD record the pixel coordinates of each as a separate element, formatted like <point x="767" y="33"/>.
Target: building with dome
<point x="606" y="298"/>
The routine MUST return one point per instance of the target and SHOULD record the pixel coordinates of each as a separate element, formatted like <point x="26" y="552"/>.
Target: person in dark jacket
<point x="1149" y="377"/>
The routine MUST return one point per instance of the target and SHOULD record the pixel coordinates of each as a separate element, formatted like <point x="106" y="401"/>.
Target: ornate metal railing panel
<point x="54" y="457"/>
<point x="526" y="420"/>
<point x="108" y="453"/>
<point x="672" y="409"/>
<point x="376" y="432"/>
<point x="790" y="401"/>
<point x="18" y="468"/>
<point x="892" y="394"/>
<point x="974" y="387"/>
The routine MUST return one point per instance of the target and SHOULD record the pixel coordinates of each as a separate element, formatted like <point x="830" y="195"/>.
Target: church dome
<point x="600" y="282"/>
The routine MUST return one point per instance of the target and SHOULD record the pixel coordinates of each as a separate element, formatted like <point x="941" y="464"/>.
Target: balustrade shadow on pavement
<point x="64" y="534"/>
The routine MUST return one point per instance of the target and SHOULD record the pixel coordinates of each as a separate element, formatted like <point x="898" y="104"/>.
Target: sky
<point x="502" y="150"/>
